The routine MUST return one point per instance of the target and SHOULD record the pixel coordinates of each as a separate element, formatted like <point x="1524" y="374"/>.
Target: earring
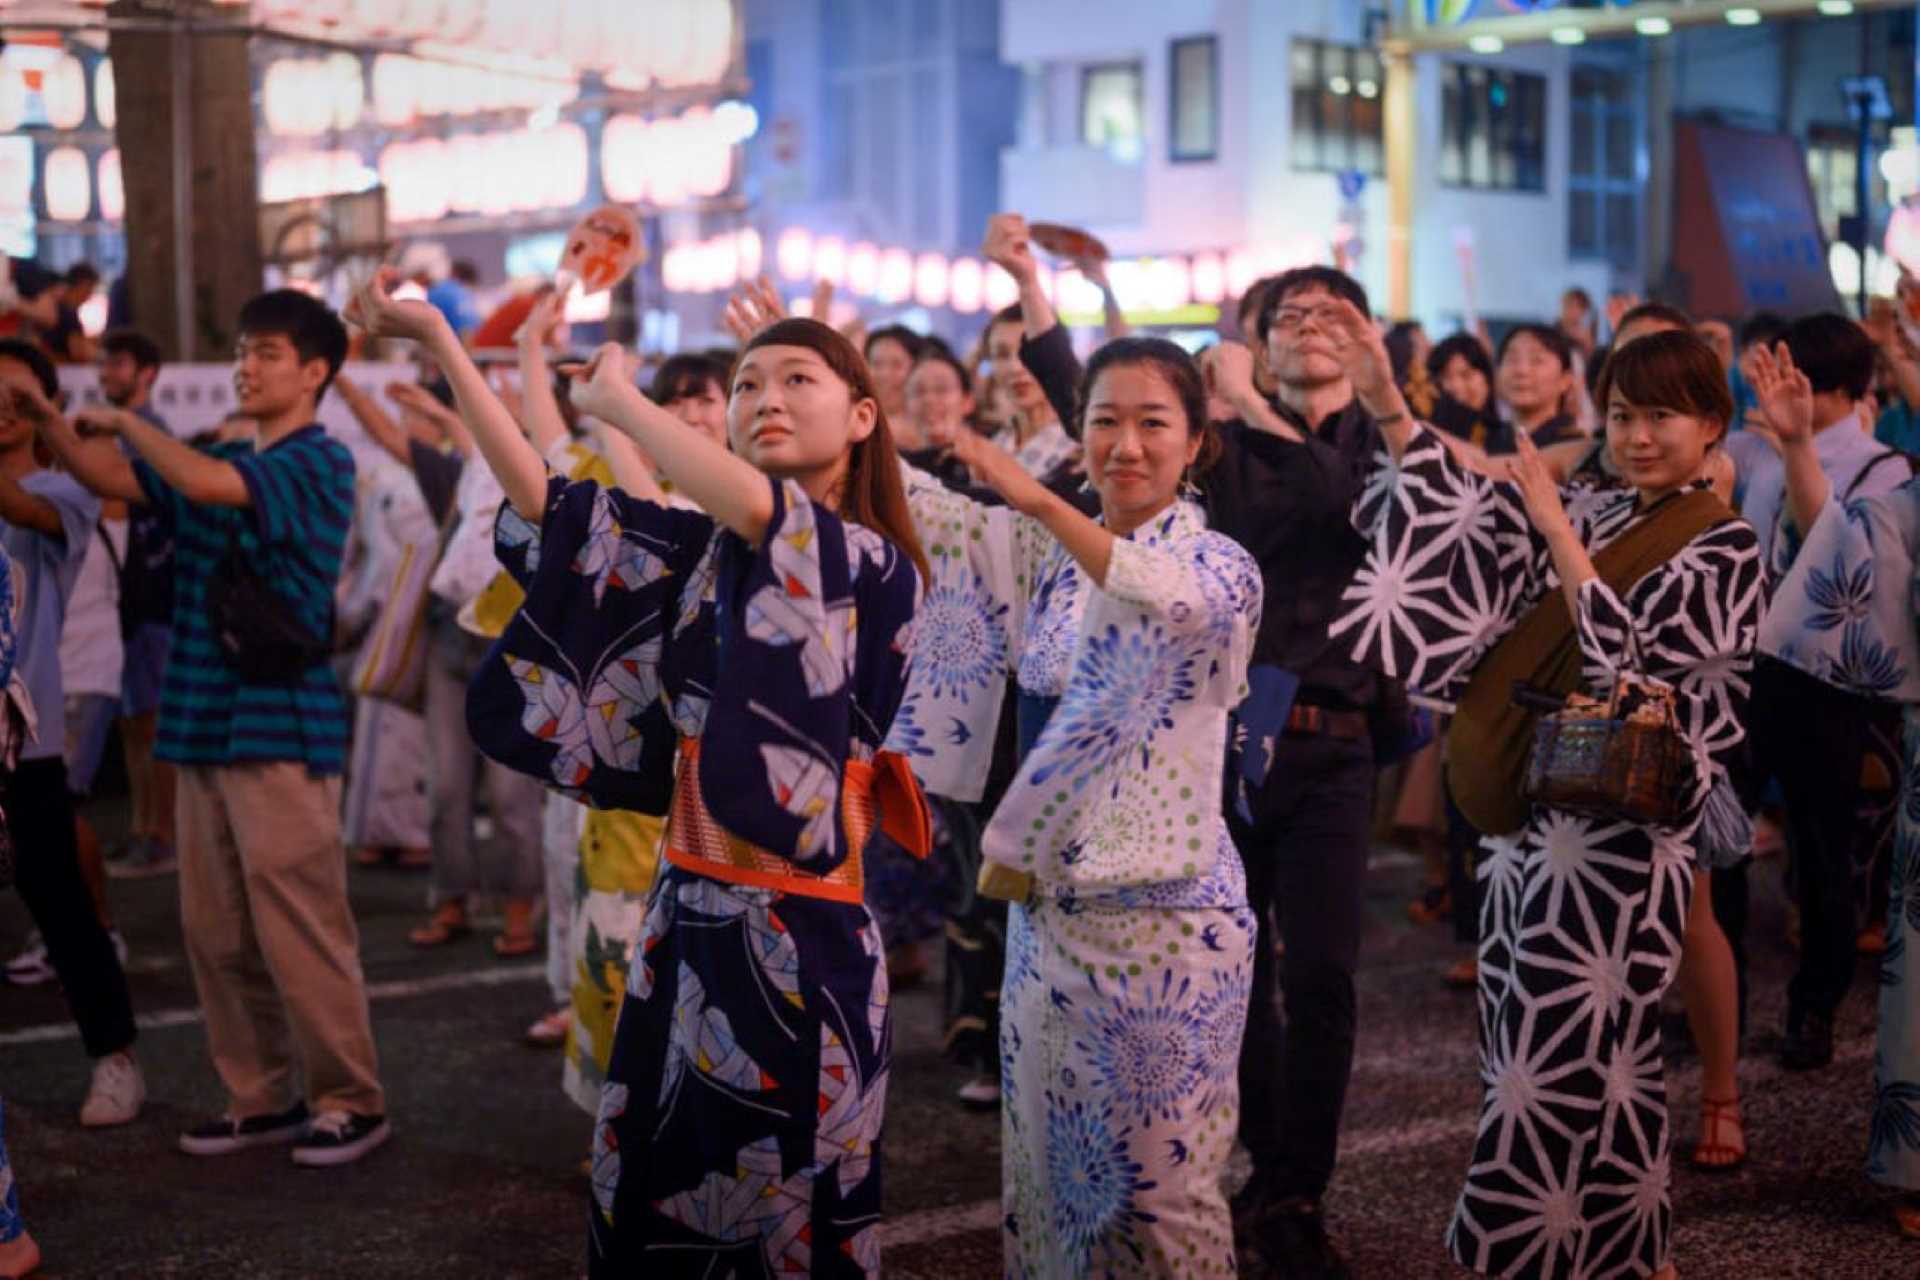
<point x="1188" y="489"/>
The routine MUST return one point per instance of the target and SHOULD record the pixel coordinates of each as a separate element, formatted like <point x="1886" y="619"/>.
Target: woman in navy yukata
<point x="736" y="668"/>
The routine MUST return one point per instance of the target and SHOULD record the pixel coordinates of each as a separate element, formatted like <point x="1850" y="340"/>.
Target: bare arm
<point x="29" y="511"/>
<point x="726" y="486"/>
<point x="632" y="473"/>
<point x="1086" y="540"/>
<point x="545" y="425"/>
<point x="199" y="477"/>
<point x="1785" y="395"/>
<point x="103" y="470"/>
<point x="1095" y="271"/>
<point x="515" y="462"/>
<point x="1363" y="355"/>
<point x="383" y="430"/>
<point x="1008" y="246"/>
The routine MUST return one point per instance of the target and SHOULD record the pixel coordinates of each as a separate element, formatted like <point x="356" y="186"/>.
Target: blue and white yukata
<point x="1129" y="964"/>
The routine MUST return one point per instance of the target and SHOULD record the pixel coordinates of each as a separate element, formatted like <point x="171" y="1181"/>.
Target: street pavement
<point x="484" y="1176"/>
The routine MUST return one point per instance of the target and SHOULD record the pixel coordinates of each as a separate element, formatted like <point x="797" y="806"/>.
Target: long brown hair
<point x="871" y="493"/>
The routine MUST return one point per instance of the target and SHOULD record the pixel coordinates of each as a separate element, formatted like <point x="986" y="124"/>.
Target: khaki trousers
<point x="271" y="940"/>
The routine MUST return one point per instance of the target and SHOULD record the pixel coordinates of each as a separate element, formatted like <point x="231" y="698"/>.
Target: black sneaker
<point x="1809" y="1043"/>
<point x="1292" y="1238"/>
<point x="230" y="1133"/>
<point x="340" y="1137"/>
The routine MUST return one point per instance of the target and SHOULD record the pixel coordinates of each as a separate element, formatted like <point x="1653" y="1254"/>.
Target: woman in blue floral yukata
<point x="1130" y="945"/>
<point x="735" y="668"/>
<point x="1845" y="614"/>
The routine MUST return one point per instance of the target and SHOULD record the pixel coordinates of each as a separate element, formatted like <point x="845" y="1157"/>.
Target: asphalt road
<point x="484" y="1174"/>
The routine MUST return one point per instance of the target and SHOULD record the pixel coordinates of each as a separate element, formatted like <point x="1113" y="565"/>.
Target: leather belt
<point x="1326" y="722"/>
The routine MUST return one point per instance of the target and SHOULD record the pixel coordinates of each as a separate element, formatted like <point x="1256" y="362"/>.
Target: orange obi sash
<point x="884" y="789"/>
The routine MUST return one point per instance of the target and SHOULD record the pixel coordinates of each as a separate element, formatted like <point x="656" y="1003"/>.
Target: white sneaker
<point x="117" y="1091"/>
<point x="32" y="966"/>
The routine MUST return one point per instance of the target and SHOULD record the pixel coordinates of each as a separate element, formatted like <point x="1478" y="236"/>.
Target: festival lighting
<point x="1835" y="8"/>
<point x="1209" y="278"/>
<point x="112" y="187"/>
<point x="896" y="276"/>
<point x="1743" y="17"/>
<point x="1486" y="44"/>
<point x="863" y="270"/>
<point x="63" y="90"/>
<point x="793" y="252"/>
<point x="830" y="260"/>
<point x="1567" y="35"/>
<point x="105" y="97"/>
<point x="965" y="285"/>
<point x="68" y="184"/>
<point x="1652" y="26"/>
<point x="930" y="280"/>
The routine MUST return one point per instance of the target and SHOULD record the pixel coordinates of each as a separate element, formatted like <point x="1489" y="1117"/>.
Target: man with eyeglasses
<point x="1305" y="832"/>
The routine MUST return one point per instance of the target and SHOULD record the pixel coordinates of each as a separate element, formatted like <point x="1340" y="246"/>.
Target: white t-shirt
<point x="90" y="650"/>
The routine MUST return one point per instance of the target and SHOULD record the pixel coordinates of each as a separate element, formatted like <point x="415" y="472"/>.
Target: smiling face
<point x="121" y="378"/>
<point x="1138" y="443"/>
<point x="937" y="405"/>
<point x="1300" y="333"/>
<point x="1016" y="386"/>
<point x="1532" y="379"/>
<point x="270" y="380"/>
<point x="1655" y="449"/>
<point x="791" y="416"/>
<point x="1461" y="380"/>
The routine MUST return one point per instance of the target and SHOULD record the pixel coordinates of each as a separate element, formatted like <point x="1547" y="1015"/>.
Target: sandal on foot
<point x="1464" y="974"/>
<point x="1719" y="1121"/>
<point x="550" y="1031"/>
<point x="447" y="924"/>
<point x="515" y="942"/>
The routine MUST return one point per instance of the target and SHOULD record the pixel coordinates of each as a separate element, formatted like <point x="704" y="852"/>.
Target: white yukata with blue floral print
<point x="1129" y="966"/>
<point x="1846" y="615"/>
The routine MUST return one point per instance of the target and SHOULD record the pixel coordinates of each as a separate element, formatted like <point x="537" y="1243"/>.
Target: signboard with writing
<point x="1745" y="231"/>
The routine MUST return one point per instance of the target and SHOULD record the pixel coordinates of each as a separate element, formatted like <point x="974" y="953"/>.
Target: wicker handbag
<point x="1622" y="759"/>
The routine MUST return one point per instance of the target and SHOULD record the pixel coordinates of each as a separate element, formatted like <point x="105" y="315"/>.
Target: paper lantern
<point x="106" y="104"/>
<point x="394" y="90"/>
<point x="1209" y="278"/>
<point x="748" y="252"/>
<point x="16" y="176"/>
<point x="93" y="314"/>
<point x="863" y="269"/>
<point x="1001" y="291"/>
<point x="1241" y="271"/>
<point x="930" y="280"/>
<point x="113" y="191"/>
<point x="709" y="41"/>
<point x="64" y="92"/>
<point x="965" y="285"/>
<point x="830" y="260"/>
<point x="896" y="275"/>
<point x="13" y="97"/>
<point x="794" y="253"/>
<point x="1168" y="284"/>
<point x="67" y="185"/>
<point x="346" y="90"/>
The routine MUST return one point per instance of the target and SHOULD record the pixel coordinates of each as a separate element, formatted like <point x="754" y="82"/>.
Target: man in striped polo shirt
<point x="263" y="893"/>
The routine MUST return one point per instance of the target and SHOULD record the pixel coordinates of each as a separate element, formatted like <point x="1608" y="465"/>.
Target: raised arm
<point x="632" y="473"/>
<point x="1362" y="352"/>
<point x="1228" y="369"/>
<point x="1786" y="398"/>
<point x="101" y="468"/>
<point x="1095" y="270"/>
<point x="545" y="425"/>
<point x="1086" y="540"/>
<point x="727" y="487"/>
<point x="514" y="461"/>
<point x="374" y="420"/>
<point x="1007" y="245"/>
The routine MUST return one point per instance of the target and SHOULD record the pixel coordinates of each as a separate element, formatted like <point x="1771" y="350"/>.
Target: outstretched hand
<point x="1784" y="394"/>
<point x="604" y="383"/>
<point x="995" y="468"/>
<point x="754" y="306"/>
<point x="374" y="309"/>
<point x="537" y="329"/>
<point x="1362" y="351"/>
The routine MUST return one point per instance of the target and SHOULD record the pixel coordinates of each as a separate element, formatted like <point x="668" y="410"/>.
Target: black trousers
<point x="1306" y="859"/>
<point x="47" y="873"/>
<point x="1812" y="737"/>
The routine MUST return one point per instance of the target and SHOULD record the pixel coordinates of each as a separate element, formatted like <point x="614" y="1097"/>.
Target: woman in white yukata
<point x="1845" y="614"/>
<point x="1130" y="945"/>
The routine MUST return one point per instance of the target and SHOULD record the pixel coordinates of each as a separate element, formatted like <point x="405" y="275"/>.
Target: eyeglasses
<point x="1290" y="318"/>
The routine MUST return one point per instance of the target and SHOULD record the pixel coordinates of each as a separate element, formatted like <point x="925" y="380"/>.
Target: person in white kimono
<point x="1581" y="915"/>
<point x="1130" y="946"/>
<point x="384" y="807"/>
<point x="1844" y="614"/>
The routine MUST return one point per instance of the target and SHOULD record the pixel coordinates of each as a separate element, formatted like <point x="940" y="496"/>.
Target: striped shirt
<point x="301" y="490"/>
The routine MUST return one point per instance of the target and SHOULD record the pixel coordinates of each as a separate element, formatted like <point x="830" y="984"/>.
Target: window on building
<point x="1337" y="92"/>
<point x="1603" y="189"/>
<point x="1493" y="128"/>
<point x="1833" y="166"/>
<point x="1194" y="132"/>
<point x="1111" y="112"/>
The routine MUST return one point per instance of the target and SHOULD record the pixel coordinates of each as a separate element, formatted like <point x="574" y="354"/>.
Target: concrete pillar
<point x="186" y="137"/>
<point x="1401" y="144"/>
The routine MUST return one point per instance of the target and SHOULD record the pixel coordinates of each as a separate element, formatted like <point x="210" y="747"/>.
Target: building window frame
<point x="1175" y="48"/>
<point x="1346" y="75"/>
<point x="1088" y="72"/>
<point x="1603" y="183"/>
<point x="1472" y="92"/>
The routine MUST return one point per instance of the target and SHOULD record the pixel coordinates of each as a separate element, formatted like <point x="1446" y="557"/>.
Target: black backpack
<point x="256" y="627"/>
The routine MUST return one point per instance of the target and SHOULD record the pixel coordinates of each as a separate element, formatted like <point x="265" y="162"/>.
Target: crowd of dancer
<point x="822" y="650"/>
